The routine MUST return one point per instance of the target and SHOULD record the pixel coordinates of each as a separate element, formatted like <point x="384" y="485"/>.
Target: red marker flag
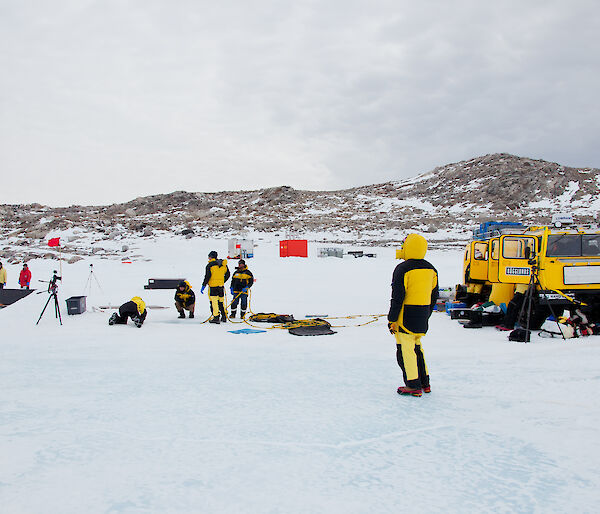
<point x="55" y="241"/>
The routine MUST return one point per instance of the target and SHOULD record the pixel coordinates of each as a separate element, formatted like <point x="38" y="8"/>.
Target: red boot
<point x="426" y="389"/>
<point x="410" y="390"/>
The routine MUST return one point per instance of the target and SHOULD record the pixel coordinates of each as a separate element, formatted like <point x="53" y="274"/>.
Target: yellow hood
<point x="414" y="247"/>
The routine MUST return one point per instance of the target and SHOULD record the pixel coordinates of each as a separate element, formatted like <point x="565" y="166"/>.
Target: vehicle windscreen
<point x="573" y="245"/>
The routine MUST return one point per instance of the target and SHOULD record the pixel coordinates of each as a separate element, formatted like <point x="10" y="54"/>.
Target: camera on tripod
<point x="52" y="285"/>
<point x="52" y="294"/>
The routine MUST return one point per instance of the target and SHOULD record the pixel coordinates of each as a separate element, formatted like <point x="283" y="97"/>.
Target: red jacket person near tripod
<point x="25" y="277"/>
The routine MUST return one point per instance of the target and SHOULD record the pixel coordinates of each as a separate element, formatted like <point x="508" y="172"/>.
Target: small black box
<point x="163" y="283"/>
<point x="76" y="305"/>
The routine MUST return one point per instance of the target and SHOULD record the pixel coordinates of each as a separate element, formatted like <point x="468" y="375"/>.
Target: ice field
<point x="180" y="416"/>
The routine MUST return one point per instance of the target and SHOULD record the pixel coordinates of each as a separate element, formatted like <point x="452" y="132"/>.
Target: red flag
<point x="55" y="241"/>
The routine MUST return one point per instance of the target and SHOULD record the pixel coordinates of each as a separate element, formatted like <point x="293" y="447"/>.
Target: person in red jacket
<point x="25" y="277"/>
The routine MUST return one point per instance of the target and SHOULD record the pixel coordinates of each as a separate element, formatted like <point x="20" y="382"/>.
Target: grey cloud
<point x="149" y="97"/>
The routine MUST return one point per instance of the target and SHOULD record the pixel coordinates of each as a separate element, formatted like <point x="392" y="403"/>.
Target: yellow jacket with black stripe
<point x="414" y="288"/>
<point x="241" y="278"/>
<point x="186" y="297"/>
<point x="217" y="273"/>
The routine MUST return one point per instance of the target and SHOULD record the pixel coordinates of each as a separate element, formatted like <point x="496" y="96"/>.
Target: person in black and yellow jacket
<point x="2" y="276"/>
<point x="134" y="309"/>
<point x="414" y="293"/>
<point x="241" y="280"/>
<point x="185" y="299"/>
<point x="217" y="273"/>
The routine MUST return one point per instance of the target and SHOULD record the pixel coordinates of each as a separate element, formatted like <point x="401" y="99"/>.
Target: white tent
<point x="240" y="249"/>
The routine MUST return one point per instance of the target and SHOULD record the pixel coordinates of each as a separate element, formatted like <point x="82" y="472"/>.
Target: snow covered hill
<point x="446" y="203"/>
<point x="183" y="417"/>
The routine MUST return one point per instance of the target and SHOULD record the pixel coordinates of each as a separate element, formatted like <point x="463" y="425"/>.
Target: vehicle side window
<point x="514" y="248"/>
<point x="494" y="252"/>
<point x="480" y="250"/>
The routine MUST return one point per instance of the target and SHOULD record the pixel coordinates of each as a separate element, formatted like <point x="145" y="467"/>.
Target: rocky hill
<point x="451" y="199"/>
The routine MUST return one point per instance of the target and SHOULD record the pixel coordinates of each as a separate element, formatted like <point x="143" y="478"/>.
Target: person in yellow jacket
<point x="2" y="276"/>
<point x="134" y="309"/>
<point x="217" y="273"/>
<point x="185" y="299"/>
<point x="414" y="293"/>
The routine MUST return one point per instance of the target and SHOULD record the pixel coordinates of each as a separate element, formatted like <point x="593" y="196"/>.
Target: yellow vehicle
<point x="561" y="264"/>
<point x="480" y="263"/>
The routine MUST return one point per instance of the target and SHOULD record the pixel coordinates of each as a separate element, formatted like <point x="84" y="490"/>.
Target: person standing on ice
<point x="25" y="277"/>
<point x="241" y="280"/>
<point x="2" y="276"/>
<point x="217" y="273"/>
<point x="414" y="293"/>
<point x="134" y="309"/>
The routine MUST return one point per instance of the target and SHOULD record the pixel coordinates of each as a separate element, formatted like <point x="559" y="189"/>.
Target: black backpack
<point x="520" y="335"/>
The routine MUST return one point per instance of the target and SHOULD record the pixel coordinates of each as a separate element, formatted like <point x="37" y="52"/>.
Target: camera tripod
<point x="53" y="293"/>
<point x="528" y="300"/>
<point x="88" y="284"/>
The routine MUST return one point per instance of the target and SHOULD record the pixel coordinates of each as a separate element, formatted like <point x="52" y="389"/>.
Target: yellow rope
<point x="295" y="323"/>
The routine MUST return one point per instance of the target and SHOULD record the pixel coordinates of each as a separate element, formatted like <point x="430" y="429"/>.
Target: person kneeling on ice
<point x="134" y="309"/>
<point x="185" y="299"/>
<point x="414" y="293"/>
<point x="241" y="280"/>
<point x="217" y="273"/>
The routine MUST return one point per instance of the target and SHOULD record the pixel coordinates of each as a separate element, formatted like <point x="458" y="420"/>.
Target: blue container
<point x="454" y="305"/>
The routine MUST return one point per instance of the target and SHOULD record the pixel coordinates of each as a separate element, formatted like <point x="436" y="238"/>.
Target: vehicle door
<point x="514" y="265"/>
<point x="493" y="259"/>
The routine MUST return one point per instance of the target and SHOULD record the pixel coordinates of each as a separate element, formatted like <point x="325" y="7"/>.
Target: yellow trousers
<point x="214" y="301"/>
<point x="411" y="360"/>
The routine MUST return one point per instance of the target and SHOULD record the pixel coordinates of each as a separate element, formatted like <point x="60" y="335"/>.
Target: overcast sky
<point x="104" y="101"/>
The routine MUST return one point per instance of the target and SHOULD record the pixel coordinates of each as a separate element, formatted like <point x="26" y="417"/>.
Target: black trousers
<point x="242" y="300"/>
